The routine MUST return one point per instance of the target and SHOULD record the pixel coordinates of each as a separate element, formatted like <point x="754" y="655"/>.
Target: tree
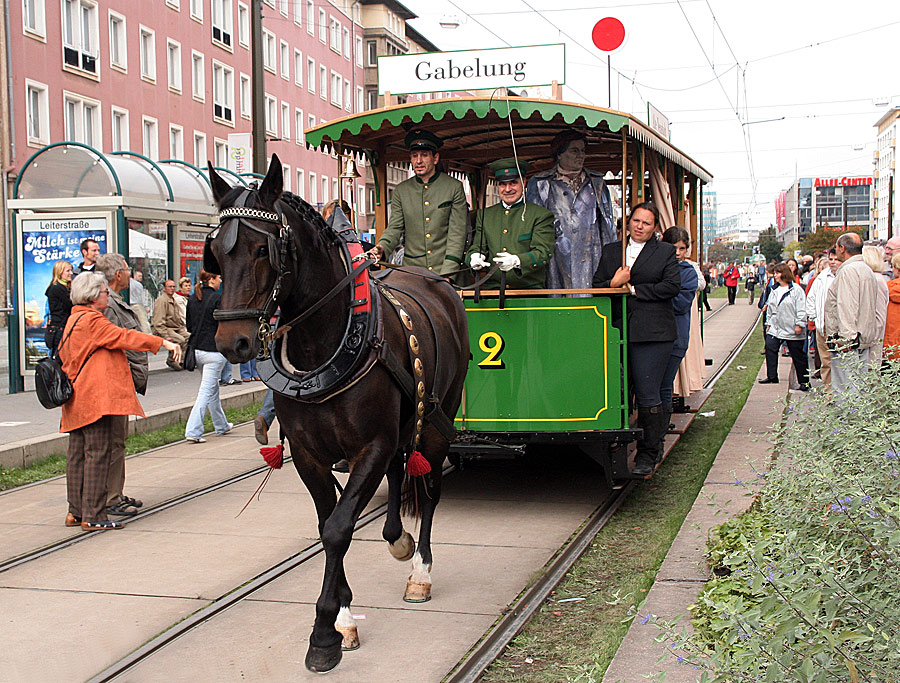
<point x="768" y="244"/>
<point x="824" y="238"/>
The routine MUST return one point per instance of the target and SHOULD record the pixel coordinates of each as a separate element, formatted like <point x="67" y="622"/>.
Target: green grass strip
<point x="55" y="465"/>
<point x="577" y="640"/>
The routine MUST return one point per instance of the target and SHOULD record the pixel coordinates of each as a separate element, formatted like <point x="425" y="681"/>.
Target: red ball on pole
<point x="608" y="34"/>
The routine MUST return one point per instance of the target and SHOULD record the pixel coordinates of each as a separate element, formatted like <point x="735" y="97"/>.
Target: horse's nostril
<point x="242" y="345"/>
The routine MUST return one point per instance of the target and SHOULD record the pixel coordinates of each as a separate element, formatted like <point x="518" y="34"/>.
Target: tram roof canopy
<point x="68" y="170"/>
<point x="476" y="127"/>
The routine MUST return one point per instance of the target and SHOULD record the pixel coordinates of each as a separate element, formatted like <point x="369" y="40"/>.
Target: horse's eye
<point x="262" y="252"/>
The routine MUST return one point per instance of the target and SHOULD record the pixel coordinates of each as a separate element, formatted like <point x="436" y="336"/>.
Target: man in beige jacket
<point x="850" y="326"/>
<point x="167" y="321"/>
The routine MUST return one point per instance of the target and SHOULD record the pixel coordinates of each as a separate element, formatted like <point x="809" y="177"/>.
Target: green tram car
<point x="546" y="368"/>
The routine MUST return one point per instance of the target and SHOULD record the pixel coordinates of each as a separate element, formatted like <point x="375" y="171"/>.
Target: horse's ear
<point x="273" y="185"/>
<point x="219" y="187"/>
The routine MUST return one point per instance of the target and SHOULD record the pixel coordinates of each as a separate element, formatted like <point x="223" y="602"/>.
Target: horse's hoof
<point x="321" y="660"/>
<point x="403" y="548"/>
<point x="417" y="591"/>
<point x="351" y="637"/>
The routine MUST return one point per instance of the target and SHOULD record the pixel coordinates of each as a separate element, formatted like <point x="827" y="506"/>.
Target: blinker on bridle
<point x="230" y="219"/>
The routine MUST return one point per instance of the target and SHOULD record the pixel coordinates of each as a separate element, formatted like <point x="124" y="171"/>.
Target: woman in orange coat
<point x="892" y="327"/>
<point x="92" y="352"/>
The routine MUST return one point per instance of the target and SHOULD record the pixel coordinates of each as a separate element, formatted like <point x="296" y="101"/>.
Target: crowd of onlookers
<point x="835" y="313"/>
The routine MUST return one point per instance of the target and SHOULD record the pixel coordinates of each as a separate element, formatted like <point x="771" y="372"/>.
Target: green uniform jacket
<point x="500" y="229"/>
<point x="431" y="217"/>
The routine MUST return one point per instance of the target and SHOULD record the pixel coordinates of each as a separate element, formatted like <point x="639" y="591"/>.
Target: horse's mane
<point x="308" y="213"/>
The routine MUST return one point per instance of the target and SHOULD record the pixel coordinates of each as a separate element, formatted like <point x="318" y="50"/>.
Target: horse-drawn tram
<point x="388" y="370"/>
<point x="547" y="366"/>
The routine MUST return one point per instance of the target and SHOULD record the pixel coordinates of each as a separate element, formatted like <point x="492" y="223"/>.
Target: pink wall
<point x="43" y="62"/>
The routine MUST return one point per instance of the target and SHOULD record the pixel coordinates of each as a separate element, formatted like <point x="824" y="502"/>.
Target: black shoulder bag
<point x="189" y="362"/>
<point x="51" y="382"/>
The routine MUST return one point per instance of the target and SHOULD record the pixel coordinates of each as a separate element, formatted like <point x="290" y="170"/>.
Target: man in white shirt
<point x="815" y="311"/>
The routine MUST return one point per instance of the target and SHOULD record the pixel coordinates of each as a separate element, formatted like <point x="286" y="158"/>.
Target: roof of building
<point x="397" y="8"/>
<point x="416" y="37"/>
<point x="887" y="118"/>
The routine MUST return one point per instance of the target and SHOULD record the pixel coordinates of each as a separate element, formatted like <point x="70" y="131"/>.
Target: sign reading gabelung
<point x="508" y="67"/>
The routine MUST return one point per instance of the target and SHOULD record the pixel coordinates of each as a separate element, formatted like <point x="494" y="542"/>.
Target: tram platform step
<point x="696" y="400"/>
<point x="681" y="421"/>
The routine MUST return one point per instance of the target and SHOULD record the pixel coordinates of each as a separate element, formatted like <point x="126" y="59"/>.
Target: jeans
<point x="248" y="369"/>
<point x="647" y="363"/>
<point x="226" y="372"/>
<point x="668" y="382"/>
<point x="267" y="412"/>
<point x="732" y="294"/>
<point x="211" y="363"/>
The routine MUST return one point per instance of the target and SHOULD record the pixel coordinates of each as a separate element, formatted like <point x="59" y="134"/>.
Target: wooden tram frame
<point x="476" y="131"/>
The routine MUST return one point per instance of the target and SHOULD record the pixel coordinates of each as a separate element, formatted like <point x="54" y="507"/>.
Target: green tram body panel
<point x="543" y="365"/>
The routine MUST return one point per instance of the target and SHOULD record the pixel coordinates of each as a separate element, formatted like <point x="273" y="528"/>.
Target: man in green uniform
<point x="428" y="211"/>
<point x="519" y="233"/>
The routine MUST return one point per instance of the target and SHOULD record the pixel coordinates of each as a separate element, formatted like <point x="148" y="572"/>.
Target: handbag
<point x="189" y="362"/>
<point x="51" y="383"/>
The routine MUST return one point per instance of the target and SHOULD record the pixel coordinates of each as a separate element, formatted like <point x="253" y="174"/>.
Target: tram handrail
<point x="469" y="294"/>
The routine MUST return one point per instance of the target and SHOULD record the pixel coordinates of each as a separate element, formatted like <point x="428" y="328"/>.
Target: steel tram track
<point x="55" y="546"/>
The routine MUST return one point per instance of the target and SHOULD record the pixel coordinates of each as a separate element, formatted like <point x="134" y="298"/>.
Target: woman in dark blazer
<point x="652" y="274"/>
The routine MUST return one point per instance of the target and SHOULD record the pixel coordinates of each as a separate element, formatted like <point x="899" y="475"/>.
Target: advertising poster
<point x="44" y="241"/>
<point x="190" y="252"/>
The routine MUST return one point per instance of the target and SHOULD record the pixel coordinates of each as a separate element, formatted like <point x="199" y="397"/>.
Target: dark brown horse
<point x="269" y="240"/>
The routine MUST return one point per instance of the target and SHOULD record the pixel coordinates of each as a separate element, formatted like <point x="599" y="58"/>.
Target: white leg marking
<point x="345" y="618"/>
<point x="421" y="572"/>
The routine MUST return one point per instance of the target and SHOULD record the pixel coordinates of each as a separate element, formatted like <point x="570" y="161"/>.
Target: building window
<point x="298" y="126"/>
<point x="312" y="189"/>
<point x="243" y="25"/>
<point x="173" y="59"/>
<point x="334" y="188"/>
<point x="347" y="43"/>
<point x="285" y="60"/>
<point x="80" y="35"/>
<point x="174" y="4"/>
<point x="323" y="27"/>
<point x="372" y="96"/>
<point x="359" y="51"/>
<point x="360" y="102"/>
<point x="197" y="10"/>
<point x="301" y="189"/>
<point x="120" y="130"/>
<point x="200" y="158"/>
<point x="324" y="197"/>
<point x="372" y="53"/>
<point x="148" y="54"/>
<point x="150" y="138"/>
<point x="348" y="95"/>
<point x="176" y="142"/>
<point x="310" y="121"/>
<point x="37" y="103"/>
<point x="271" y="116"/>
<point x="223" y="92"/>
<point x="198" y="76"/>
<point x="33" y="18"/>
<point x="298" y="12"/>
<point x="360" y="200"/>
<point x="221" y="153"/>
<point x="298" y="67"/>
<point x="221" y="22"/>
<point x="285" y="121"/>
<point x="118" y="48"/>
<point x="82" y="120"/>
<point x="334" y="32"/>
<point x="269" y="50"/>
<point x="310" y="17"/>
<point x="337" y="87"/>
<point x="310" y="74"/>
<point x="283" y="7"/>
<point x="246" y="107"/>
<point x="323" y="82"/>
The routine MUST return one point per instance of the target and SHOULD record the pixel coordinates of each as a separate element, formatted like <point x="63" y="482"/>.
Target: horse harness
<point x="363" y="343"/>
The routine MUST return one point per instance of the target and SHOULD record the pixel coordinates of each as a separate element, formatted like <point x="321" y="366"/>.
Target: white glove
<point x="507" y="261"/>
<point x="477" y="261"/>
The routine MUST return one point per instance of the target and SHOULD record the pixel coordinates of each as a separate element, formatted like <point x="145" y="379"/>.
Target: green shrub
<point x="808" y="580"/>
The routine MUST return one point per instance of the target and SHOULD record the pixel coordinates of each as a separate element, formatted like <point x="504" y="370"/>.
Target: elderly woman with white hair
<point x="92" y="351"/>
<point x="874" y="258"/>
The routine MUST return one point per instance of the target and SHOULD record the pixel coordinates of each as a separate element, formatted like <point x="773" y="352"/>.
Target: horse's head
<point x="248" y="250"/>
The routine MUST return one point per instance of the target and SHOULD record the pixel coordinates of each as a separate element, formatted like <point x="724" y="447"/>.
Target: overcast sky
<point x="826" y="97"/>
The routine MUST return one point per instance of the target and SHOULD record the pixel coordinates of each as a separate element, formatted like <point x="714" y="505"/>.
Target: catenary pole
<point x="257" y="85"/>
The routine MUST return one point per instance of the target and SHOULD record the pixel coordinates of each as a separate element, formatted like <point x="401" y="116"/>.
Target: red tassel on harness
<point x="417" y="466"/>
<point x="274" y="456"/>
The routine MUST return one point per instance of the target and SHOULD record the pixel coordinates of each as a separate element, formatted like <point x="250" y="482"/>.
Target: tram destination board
<point x="542" y="365"/>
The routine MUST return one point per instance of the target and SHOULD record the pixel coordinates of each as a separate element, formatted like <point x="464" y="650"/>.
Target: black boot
<point x="650" y="420"/>
<point x="666" y="418"/>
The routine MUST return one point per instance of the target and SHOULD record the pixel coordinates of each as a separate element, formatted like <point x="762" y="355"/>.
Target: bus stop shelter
<point x="155" y="213"/>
